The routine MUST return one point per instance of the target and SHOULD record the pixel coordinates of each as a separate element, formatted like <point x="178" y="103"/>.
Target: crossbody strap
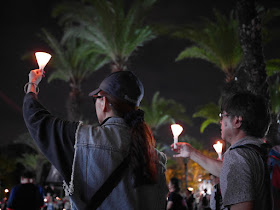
<point x="108" y="186"/>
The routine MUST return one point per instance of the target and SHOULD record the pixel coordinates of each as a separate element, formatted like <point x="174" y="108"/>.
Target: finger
<point x="178" y="155"/>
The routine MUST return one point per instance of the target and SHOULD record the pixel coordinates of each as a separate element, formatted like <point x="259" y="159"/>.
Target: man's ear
<point x="237" y="121"/>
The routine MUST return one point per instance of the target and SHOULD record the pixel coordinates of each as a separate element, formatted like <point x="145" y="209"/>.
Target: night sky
<point x="190" y="82"/>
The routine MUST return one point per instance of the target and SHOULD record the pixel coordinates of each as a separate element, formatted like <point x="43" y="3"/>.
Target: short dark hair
<point x="174" y="181"/>
<point x="252" y="108"/>
<point x="28" y="174"/>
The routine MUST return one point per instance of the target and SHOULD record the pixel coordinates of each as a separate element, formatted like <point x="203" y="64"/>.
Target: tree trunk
<point x="119" y="65"/>
<point x="74" y="104"/>
<point x="186" y="160"/>
<point x="251" y="75"/>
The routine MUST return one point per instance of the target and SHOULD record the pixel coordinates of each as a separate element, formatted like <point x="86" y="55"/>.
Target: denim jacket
<point x="98" y="152"/>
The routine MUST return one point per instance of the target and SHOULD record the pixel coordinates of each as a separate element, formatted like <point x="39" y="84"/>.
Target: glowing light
<point x="190" y="189"/>
<point x="176" y="130"/>
<point x="199" y="179"/>
<point x="218" y="148"/>
<point x="42" y="59"/>
<point x="45" y="200"/>
<point x="6" y="190"/>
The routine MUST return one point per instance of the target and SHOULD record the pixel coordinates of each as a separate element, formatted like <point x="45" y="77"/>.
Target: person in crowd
<point x="190" y="200"/>
<point x="244" y="183"/>
<point x="175" y="201"/>
<point x="205" y="200"/>
<point x="216" y="201"/>
<point x="111" y="166"/>
<point x="26" y="195"/>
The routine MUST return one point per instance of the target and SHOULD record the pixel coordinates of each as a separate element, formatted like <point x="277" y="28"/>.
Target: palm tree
<point x="113" y="31"/>
<point x="163" y="111"/>
<point x="216" y="42"/>
<point x="272" y="71"/>
<point x="33" y="161"/>
<point x="73" y="61"/>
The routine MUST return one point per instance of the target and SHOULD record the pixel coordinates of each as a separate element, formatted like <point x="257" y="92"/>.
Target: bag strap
<point x="108" y="186"/>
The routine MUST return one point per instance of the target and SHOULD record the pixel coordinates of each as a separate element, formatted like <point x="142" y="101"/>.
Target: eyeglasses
<point x="221" y="115"/>
<point x="94" y="98"/>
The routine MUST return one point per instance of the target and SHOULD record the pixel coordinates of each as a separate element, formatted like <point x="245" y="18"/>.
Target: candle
<point x="219" y="147"/>
<point x="42" y="59"/>
<point x="176" y="130"/>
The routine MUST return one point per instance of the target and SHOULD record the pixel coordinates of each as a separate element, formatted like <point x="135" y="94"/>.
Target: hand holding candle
<point x="42" y="59"/>
<point x="176" y="130"/>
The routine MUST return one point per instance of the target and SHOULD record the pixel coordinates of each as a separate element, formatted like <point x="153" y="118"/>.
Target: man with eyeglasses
<point x="111" y="166"/>
<point x="244" y="181"/>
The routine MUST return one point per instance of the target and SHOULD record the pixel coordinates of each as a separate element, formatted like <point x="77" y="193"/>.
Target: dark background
<point x="189" y="82"/>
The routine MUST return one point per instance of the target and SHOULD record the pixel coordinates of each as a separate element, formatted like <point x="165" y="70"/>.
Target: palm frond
<point x="115" y="33"/>
<point x="163" y="111"/>
<point x="210" y="112"/>
<point x="74" y="59"/>
<point x="197" y="52"/>
<point x="217" y="39"/>
<point x="272" y="67"/>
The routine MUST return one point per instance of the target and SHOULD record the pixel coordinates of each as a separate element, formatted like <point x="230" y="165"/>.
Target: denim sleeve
<point x="55" y="137"/>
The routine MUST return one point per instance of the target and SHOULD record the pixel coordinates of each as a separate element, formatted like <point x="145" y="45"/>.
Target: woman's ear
<point x="105" y="105"/>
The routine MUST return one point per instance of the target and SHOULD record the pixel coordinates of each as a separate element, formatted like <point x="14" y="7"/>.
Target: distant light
<point x="6" y="190"/>
<point x="199" y="179"/>
<point x="190" y="188"/>
<point x="45" y="200"/>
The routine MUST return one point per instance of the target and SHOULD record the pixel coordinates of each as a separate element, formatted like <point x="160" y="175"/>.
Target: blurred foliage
<point x="215" y="41"/>
<point x="176" y="166"/>
<point x="210" y="112"/>
<point x="35" y="160"/>
<point x="163" y="111"/>
<point x="74" y="60"/>
<point x="114" y="29"/>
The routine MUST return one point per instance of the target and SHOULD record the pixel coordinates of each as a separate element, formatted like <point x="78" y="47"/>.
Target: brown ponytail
<point x="142" y="149"/>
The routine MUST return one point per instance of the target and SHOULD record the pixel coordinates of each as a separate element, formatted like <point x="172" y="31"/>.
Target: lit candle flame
<point x="42" y="59"/>
<point x="176" y="130"/>
<point x="218" y="148"/>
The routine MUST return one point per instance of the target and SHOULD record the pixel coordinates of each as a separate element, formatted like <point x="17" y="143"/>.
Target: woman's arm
<point x="54" y="137"/>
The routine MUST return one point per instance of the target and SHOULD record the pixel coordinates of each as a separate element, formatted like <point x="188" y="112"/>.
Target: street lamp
<point x="42" y="59"/>
<point x="218" y="147"/>
<point x="176" y="130"/>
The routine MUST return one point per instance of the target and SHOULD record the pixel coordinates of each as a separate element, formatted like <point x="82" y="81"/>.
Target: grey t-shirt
<point x="243" y="176"/>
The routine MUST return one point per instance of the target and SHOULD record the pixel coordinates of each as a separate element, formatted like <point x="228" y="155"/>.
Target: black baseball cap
<point x="123" y="85"/>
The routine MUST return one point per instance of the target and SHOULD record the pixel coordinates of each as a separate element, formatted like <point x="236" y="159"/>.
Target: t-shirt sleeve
<point x="55" y="137"/>
<point x="171" y="197"/>
<point x="236" y="179"/>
